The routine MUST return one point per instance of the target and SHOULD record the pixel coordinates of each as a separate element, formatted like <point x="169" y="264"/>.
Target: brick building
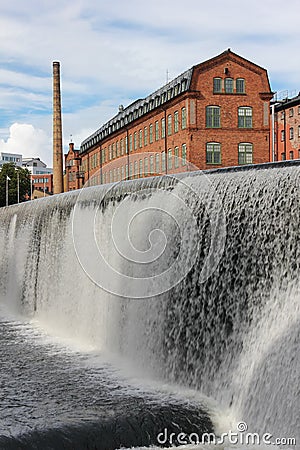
<point x="74" y="175"/>
<point x="215" y="114"/>
<point x="43" y="183"/>
<point x="285" y="130"/>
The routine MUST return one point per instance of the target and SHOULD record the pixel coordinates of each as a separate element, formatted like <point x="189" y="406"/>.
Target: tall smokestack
<point x="58" y="185"/>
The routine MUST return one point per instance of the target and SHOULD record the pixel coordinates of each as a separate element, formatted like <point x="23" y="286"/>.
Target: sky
<point x="114" y="52"/>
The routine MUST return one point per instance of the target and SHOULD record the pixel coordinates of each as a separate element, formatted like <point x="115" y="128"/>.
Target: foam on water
<point x="191" y="282"/>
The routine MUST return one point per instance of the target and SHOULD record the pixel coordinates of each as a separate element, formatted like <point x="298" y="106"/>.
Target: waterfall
<point x="192" y="279"/>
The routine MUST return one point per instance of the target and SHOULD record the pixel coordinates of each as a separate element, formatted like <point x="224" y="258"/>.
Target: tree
<point x="17" y="175"/>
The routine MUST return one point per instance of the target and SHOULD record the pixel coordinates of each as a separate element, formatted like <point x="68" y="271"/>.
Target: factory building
<point x="285" y="130"/>
<point x="215" y="114"/>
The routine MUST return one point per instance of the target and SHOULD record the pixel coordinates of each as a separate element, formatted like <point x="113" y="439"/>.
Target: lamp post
<point x="18" y="186"/>
<point x="7" y="180"/>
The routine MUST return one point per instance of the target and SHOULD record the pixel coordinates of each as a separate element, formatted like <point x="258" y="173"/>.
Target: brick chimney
<point x="58" y="185"/>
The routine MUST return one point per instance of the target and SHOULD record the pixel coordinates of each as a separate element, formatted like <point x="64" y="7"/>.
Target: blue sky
<point x="112" y="53"/>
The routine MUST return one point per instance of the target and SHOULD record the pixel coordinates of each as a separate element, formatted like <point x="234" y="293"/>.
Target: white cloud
<point x="115" y="52"/>
<point x="27" y="141"/>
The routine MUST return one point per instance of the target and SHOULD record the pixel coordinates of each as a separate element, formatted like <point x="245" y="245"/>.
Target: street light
<point x="18" y="185"/>
<point x="7" y="180"/>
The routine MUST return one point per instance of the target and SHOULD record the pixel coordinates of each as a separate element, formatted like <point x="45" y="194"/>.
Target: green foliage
<point x="14" y="173"/>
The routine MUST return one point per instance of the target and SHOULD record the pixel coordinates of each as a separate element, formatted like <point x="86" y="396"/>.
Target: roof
<point x="286" y="103"/>
<point x="139" y="108"/>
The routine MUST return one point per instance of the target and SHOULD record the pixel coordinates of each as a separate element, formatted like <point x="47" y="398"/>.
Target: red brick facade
<point x="74" y="175"/>
<point x="215" y="114"/>
<point x="286" y="130"/>
<point x="42" y="183"/>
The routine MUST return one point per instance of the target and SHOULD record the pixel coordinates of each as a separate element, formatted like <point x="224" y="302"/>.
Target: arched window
<point x="183" y="118"/>
<point x="245" y="117"/>
<point x="183" y="154"/>
<point x="146" y="167"/>
<point x="169" y="159"/>
<point x="245" y="153"/>
<point x="169" y="124"/>
<point x="157" y="160"/>
<point x="228" y="84"/>
<point x="240" y="86"/>
<point x="176" y="121"/>
<point x="217" y="85"/>
<point x="213" y="153"/>
<point x="213" y="117"/>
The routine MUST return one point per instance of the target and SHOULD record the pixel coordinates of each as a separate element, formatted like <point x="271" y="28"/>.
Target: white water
<point x="194" y="284"/>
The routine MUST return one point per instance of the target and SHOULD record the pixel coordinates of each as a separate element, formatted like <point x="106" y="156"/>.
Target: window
<point x="130" y="142"/>
<point x="183" y="118"/>
<point x="169" y="124"/>
<point x="109" y="152"/>
<point x="240" y="86"/>
<point x="298" y="109"/>
<point x="176" y="157"/>
<point x="122" y="147"/>
<point x="156" y="130"/>
<point x="117" y="149"/>
<point x="245" y="117"/>
<point x="103" y="156"/>
<point x="282" y="115"/>
<point x="113" y="151"/>
<point x="291" y="154"/>
<point x="213" y="117"/>
<point x="169" y="159"/>
<point x="291" y="112"/>
<point x="175" y="121"/>
<point x="151" y="164"/>
<point x="126" y="145"/>
<point x="135" y="169"/>
<point x="145" y="136"/>
<point x="163" y="162"/>
<point x="141" y="168"/>
<point x="245" y="153"/>
<point x="140" y="138"/>
<point x="126" y="171"/>
<point x="298" y="130"/>
<point x="135" y="140"/>
<point x="157" y="163"/>
<point x="291" y="133"/>
<point x="183" y="154"/>
<point x="163" y="128"/>
<point x="282" y="135"/>
<point x="217" y="85"/>
<point x="130" y="170"/>
<point x="150" y="133"/>
<point x="228" y="85"/>
<point x="213" y="153"/>
<point x="146" y="167"/>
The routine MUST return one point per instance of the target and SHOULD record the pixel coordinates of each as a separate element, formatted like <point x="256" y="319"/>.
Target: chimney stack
<point x="58" y="185"/>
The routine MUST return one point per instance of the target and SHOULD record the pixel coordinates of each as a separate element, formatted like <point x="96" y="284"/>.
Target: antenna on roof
<point x="167" y="76"/>
<point x="71" y="138"/>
